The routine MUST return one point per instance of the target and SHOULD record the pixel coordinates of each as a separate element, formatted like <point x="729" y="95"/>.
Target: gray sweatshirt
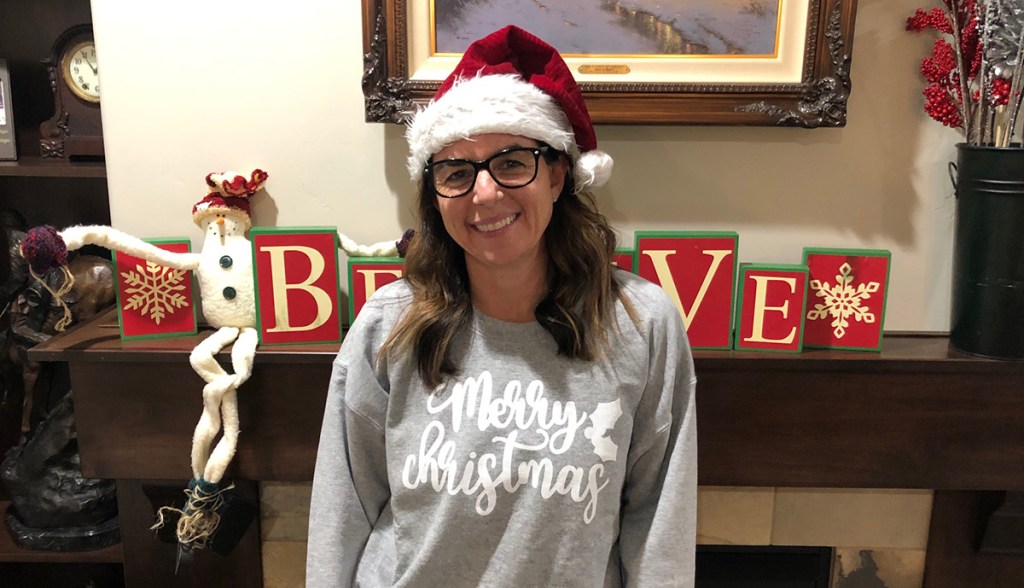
<point x="524" y="469"/>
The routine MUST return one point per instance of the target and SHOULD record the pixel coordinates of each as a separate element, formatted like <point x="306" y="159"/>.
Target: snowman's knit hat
<point x="229" y="192"/>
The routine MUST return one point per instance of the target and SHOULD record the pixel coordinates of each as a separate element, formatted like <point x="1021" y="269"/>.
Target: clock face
<point x="80" y="70"/>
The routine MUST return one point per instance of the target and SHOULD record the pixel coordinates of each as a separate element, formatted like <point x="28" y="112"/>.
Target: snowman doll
<point x="224" y="271"/>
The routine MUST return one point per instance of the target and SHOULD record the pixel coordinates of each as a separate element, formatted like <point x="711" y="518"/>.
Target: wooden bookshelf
<point x="37" y="167"/>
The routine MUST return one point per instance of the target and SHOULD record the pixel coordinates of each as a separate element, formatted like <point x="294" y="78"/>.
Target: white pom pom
<point x="593" y="169"/>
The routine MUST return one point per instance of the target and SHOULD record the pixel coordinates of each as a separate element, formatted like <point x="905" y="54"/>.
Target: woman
<point x="514" y="412"/>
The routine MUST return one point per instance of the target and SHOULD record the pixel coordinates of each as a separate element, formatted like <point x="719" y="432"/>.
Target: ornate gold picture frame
<point x="805" y="84"/>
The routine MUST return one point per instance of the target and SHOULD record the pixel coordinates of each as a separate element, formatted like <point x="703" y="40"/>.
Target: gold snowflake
<point x="842" y="301"/>
<point x="155" y="291"/>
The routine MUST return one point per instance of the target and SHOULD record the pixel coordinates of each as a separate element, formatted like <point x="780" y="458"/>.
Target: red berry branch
<point x="974" y="71"/>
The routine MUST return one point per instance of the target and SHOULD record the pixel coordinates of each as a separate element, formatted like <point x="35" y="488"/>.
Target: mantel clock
<point x="75" y="130"/>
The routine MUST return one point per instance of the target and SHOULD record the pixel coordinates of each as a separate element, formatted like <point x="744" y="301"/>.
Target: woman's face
<point x="501" y="227"/>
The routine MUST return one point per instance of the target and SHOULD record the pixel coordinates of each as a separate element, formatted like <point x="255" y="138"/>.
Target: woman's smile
<point x="490" y="227"/>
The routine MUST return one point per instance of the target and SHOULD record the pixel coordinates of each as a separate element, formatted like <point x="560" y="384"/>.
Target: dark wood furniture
<point x="915" y="415"/>
<point x="52" y="192"/>
<point x="45" y="191"/>
<point x="58" y="193"/>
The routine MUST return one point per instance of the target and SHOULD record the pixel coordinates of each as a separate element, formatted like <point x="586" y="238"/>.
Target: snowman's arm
<point x="111" y="238"/>
<point x="353" y="249"/>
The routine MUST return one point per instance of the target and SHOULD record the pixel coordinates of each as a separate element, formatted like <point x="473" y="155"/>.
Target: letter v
<point x="668" y="283"/>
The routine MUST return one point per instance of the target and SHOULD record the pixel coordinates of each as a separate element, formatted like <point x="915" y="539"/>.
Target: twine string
<point x="69" y="283"/>
<point x="199" y="520"/>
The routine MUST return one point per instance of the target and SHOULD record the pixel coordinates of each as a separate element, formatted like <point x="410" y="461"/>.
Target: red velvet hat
<point x="510" y="82"/>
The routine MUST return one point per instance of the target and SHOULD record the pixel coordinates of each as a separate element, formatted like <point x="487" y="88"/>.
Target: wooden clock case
<point x="75" y="131"/>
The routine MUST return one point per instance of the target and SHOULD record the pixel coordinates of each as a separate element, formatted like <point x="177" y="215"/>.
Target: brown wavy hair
<point x="576" y="311"/>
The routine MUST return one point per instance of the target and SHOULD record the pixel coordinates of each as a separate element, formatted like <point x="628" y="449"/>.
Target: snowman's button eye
<point x="229" y="293"/>
<point x="226" y="261"/>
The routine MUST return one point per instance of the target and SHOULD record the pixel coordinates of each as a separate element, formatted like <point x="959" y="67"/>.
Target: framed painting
<point x="720" y="62"/>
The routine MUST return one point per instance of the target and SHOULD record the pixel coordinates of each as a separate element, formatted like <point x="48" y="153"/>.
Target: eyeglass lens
<point x="512" y="168"/>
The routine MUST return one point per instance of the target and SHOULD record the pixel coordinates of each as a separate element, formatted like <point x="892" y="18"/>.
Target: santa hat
<point x="229" y="192"/>
<point x="510" y="82"/>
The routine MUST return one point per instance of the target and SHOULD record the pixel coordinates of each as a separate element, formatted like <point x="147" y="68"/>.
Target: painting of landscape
<point x="617" y="27"/>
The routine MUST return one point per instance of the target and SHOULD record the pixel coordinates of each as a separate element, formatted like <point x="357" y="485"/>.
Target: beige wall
<point x="196" y="87"/>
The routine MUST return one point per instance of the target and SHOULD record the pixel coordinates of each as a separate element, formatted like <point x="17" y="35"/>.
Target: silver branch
<point x="1001" y="39"/>
<point x="1002" y="33"/>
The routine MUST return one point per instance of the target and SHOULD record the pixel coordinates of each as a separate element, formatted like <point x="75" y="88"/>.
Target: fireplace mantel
<point x="915" y="415"/>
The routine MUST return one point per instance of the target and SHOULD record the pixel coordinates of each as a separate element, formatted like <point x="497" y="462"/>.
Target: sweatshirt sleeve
<point x="657" y="538"/>
<point x="350" y="483"/>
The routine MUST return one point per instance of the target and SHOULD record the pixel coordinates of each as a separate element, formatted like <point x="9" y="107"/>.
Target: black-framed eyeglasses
<point x="514" y="167"/>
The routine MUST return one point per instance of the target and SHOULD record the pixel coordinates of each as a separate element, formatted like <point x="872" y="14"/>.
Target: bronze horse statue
<point x="32" y="314"/>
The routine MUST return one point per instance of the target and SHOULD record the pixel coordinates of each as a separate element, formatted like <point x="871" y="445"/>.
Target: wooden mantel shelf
<point x="915" y="415"/>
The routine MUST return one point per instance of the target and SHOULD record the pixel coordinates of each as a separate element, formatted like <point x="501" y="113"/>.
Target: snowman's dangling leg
<point x="209" y="423"/>
<point x="242" y="355"/>
<point x="198" y="521"/>
<point x="218" y="383"/>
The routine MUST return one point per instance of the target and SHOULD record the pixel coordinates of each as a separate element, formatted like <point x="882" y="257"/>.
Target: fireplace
<point x="747" y="536"/>
<point x="731" y="566"/>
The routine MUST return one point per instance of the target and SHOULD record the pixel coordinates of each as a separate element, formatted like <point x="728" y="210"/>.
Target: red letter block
<point x="296" y="274"/>
<point x="770" y="312"/>
<point x="698" y="272"/>
<point x="846" y="297"/>
<point x="153" y="300"/>
<point x="623" y="259"/>
<point x="366" y="275"/>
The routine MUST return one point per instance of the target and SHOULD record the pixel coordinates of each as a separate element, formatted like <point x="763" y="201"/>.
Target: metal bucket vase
<point x="988" y="252"/>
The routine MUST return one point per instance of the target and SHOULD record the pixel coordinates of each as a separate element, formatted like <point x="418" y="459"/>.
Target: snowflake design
<point x="842" y="301"/>
<point x="155" y="291"/>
